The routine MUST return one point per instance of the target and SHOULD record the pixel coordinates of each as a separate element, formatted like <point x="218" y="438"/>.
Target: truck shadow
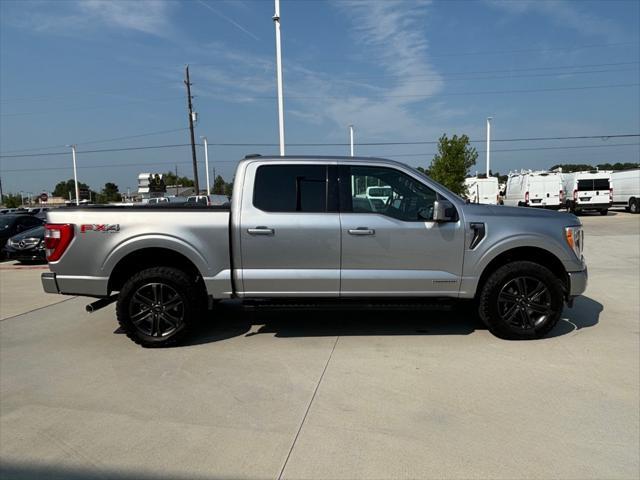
<point x="233" y="320"/>
<point x="584" y="314"/>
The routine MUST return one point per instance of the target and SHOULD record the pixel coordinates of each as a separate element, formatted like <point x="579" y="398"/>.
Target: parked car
<point x="482" y="189"/>
<point x="626" y="189"/>
<point x="296" y="230"/>
<point x="534" y="189"/>
<point x="588" y="191"/>
<point x="168" y="199"/>
<point x="12" y="224"/>
<point x="209" y="200"/>
<point x="27" y="246"/>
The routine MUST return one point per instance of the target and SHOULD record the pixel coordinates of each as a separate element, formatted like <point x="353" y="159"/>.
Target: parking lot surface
<point x="320" y="395"/>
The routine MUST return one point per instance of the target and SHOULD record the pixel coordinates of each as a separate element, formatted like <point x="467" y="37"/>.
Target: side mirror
<point x="443" y="211"/>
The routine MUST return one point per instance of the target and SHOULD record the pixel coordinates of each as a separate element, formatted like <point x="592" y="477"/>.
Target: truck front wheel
<point x="158" y="306"/>
<point x="521" y="300"/>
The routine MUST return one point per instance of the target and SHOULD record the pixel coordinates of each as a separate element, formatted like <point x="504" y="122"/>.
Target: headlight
<point x="575" y="239"/>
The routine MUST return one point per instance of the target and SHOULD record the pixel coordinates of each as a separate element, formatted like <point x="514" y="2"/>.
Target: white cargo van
<point x="626" y="189"/>
<point x="588" y="191"/>
<point x="482" y="189"/>
<point x="534" y="189"/>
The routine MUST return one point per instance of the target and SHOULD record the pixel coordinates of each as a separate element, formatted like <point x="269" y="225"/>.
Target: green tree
<point x="452" y="162"/>
<point x="218" y="186"/>
<point x="11" y="201"/>
<point x="62" y="189"/>
<point x="109" y="193"/>
<point x="171" y="179"/>
<point x="228" y="188"/>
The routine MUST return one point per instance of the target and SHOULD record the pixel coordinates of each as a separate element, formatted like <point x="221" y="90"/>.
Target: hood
<point x="480" y="210"/>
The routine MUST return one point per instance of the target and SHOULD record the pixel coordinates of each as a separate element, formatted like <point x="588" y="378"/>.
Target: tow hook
<point x="101" y="303"/>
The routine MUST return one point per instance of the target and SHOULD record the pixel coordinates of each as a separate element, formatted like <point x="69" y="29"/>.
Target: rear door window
<point x="291" y="188"/>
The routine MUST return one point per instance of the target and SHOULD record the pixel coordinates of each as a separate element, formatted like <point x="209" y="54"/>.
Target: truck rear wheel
<point x="158" y="306"/>
<point x="633" y="205"/>
<point x="521" y="300"/>
<point x="604" y="212"/>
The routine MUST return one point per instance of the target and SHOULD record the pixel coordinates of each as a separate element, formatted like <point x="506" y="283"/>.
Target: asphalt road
<point x="353" y="394"/>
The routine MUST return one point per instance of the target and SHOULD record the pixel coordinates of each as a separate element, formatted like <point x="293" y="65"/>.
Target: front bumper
<point x="578" y="282"/>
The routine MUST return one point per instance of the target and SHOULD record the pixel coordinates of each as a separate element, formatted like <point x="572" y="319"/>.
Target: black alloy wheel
<point x="156" y="310"/>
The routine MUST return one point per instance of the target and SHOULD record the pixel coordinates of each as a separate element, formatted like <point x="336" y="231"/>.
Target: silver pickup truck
<point x="302" y="227"/>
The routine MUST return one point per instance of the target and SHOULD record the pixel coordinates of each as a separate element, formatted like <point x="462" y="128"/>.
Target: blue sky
<point x="87" y="71"/>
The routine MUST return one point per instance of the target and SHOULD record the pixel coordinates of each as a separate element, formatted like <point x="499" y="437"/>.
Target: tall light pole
<point x="351" y="138"/>
<point x="75" y="172"/>
<point x="206" y="162"/>
<point x="489" y="145"/>
<point x="276" y="21"/>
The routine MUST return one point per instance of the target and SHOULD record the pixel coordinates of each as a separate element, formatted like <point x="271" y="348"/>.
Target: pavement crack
<point x="304" y="418"/>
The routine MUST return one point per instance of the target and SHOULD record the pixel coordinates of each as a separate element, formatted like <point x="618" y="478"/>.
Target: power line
<point x="391" y="155"/>
<point x="449" y="94"/>
<point x="104" y="140"/>
<point x="563" y="147"/>
<point x="505" y="70"/>
<point x="176" y="145"/>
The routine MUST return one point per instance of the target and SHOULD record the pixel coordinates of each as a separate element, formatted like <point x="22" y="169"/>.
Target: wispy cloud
<point x="388" y="35"/>
<point x="565" y="14"/>
<point x="229" y="20"/>
<point x="145" y="16"/>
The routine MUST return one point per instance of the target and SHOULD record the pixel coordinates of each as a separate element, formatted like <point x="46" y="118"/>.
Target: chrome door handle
<point x="261" y="231"/>
<point x="362" y="231"/>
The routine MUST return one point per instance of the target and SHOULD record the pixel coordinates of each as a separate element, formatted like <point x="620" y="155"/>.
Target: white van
<point x="588" y="191"/>
<point x="482" y="189"/>
<point x="626" y="189"/>
<point x="534" y="189"/>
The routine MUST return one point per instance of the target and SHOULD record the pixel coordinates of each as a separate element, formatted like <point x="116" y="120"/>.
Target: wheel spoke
<point x="526" y="319"/>
<point x="537" y="292"/>
<point x="541" y="309"/>
<point x="510" y="313"/>
<point x="522" y="285"/>
<point x="173" y="303"/>
<point x="507" y="297"/>
<point x="138" y="321"/>
<point x="169" y="319"/>
<point x="138" y="297"/>
<point x="140" y="314"/>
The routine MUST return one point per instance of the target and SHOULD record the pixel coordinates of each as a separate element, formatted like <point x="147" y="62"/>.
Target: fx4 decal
<point x="103" y="227"/>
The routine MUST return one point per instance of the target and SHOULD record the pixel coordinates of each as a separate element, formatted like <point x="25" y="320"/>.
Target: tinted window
<point x="291" y="188"/>
<point x="404" y="197"/>
<point x="601" y="184"/>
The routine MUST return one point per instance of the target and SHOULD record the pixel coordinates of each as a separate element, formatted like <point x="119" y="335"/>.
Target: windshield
<point x="6" y="222"/>
<point x="445" y="189"/>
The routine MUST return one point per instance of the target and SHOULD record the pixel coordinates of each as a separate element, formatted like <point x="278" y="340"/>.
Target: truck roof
<point x="334" y="158"/>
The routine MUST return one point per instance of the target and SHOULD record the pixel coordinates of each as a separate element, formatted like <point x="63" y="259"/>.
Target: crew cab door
<point x="389" y="248"/>
<point x="290" y="230"/>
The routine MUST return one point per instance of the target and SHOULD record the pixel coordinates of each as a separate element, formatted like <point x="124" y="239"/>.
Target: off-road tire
<point x="488" y="307"/>
<point x="192" y="297"/>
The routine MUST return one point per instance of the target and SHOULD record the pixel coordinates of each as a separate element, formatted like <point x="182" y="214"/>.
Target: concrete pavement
<point x="354" y="394"/>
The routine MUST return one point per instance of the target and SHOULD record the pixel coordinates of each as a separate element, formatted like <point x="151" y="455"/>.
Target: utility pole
<point x="75" y="172"/>
<point x="187" y="82"/>
<point x="176" y="180"/>
<point x="351" y="138"/>
<point x="488" y="145"/>
<point x="1" y="194"/>
<point x="206" y="163"/>
<point x="276" y="21"/>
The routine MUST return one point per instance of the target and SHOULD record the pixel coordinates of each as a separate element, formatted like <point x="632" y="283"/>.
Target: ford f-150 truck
<point x="303" y="227"/>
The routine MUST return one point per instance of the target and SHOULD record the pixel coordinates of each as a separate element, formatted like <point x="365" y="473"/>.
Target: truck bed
<point x="105" y="236"/>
